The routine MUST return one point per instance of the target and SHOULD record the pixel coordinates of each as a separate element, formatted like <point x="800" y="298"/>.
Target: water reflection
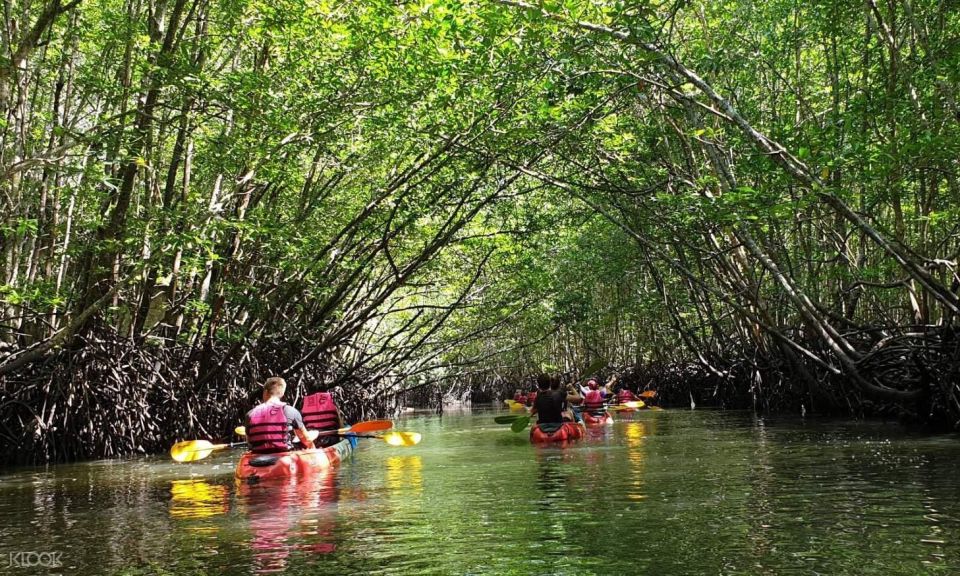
<point x="404" y="472"/>
<point x="288" y="518"/>
<point x="634" y="433"/>
<point x="195" y="499"/>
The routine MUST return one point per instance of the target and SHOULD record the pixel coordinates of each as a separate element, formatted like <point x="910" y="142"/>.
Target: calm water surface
<point x="673" y="492"/>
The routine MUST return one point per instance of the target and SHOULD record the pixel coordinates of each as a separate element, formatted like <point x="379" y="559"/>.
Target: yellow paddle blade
<point x="402" y="438"/>
<point x="193" y="450"/>
<point x="240" y="431"/>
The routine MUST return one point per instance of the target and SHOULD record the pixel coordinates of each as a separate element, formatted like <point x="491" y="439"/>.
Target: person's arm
<point x="573" y="397"/>
<point x="299" y="429"/>
<point x="610" y="383"/>
<point x="304" y="439"/>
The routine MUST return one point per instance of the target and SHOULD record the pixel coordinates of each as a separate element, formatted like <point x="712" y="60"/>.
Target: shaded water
<point x="673" y="492"/>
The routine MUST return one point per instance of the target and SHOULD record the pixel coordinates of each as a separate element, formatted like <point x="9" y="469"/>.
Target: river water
<point x="672" y="492"/>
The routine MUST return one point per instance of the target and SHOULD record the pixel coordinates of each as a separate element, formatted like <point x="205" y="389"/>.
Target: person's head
<point x="592" y="384"/>
<point x="554" y="382"/>
<point x="543" y="382"/>
<point x="274" y="387"/>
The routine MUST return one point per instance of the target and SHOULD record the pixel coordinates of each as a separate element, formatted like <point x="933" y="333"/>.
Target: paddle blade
<point x="597" y="365"/>
<point x="192" y="450"/>
<point x="507" y="419"/>
<point x="648" y="394"/>
<point x="371" y="426"/>
<point x="240" y="431"/>
<point x="402" y="438"/>
<point x="520" y="423"/>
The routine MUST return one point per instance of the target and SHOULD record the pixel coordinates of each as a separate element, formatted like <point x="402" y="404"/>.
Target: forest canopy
<point x="753" y="204"/>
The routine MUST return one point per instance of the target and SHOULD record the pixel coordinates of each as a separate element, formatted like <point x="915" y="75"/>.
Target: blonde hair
<point x="274" y="386"/>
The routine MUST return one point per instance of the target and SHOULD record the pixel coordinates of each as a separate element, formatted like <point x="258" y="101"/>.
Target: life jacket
<point x="531" y="398"/>
<point x="520" y="398"/>
<point x="626" y="396"/>
<point x="593" y="402"/>
<point x="319" y="412"/>
<point x="267" y="429"/>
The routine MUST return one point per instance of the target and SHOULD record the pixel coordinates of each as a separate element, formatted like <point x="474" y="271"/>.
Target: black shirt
<point x="550" y="405"/>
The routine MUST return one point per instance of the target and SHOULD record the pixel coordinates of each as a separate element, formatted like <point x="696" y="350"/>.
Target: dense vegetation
<point x="745" y="203"/>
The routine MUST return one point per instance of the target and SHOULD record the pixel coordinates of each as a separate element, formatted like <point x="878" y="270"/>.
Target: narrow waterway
<point x="672" y="492"/>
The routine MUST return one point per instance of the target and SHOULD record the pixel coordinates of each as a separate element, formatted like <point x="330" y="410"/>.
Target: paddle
<point x="510" y="419"/>
<point x="365" y="426"/>
<point x="648" y="394"/>
<point x="395" y="438"/>
<point x="631" y="405"/>
<point x="193" y="450"/>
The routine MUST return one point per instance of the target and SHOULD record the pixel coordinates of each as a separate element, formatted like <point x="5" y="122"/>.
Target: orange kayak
<point x="254" y="468"/>
<point x="566" y="431"/>
<point x="591" y="420"/>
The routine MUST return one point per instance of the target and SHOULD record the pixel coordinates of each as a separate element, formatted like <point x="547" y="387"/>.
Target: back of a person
<point x="268" y="428"/>
<point x="320" y="413"/>
<point x="593" y="402"/>
<point x="549" y="406"/>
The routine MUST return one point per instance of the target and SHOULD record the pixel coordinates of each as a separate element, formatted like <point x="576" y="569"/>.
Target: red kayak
<point x="591" y="420"/>
<point x="556" y="433"/>
<point x="253" y="468"/>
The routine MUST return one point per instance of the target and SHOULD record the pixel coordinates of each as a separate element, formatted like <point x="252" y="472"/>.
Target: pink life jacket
<point x="319" y="412"/>
<point x="593" y="401"/>
<point x="267" y="429"/>
<point x="626" y="395"/>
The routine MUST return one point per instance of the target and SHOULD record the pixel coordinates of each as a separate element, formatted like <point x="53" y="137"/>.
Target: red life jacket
<point x="319" y="412"/>
<point x="520" y="398"/>
<point x="626" y="396"/>
<point x="531" y="398"/>
<point x="593" y="401"/>
<point x="267" y="429"/>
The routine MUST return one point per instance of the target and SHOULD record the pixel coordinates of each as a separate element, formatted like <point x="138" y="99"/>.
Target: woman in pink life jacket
<point x="271" y="423"/>
<point x="320" y="412"/>
<point x="593" y="398"/>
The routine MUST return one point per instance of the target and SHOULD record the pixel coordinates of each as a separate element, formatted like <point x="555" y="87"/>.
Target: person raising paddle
<point x="269" y="425"/>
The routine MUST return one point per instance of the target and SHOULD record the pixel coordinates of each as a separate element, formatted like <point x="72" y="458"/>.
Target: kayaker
<point x="519" y="397"/>
<point x="551" y="404"/>
<point x="626" y="395"/>
<point x="320" y="412"/>
<point x="270" y="424"/>
<point x="593" y="400"/>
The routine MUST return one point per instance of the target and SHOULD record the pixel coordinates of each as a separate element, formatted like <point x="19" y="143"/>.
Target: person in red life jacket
<point x="531" y="398"/>
<point x="552" y="404"/>
<point x="320" y="412"/>
<point x="270" y="424"/>
<point x="519" y="397"/>
<point x="626" y="395"/>
<point x="593" y="399"/>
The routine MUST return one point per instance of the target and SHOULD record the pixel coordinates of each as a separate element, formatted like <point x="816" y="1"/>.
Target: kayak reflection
<point x="291" y="517"/>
